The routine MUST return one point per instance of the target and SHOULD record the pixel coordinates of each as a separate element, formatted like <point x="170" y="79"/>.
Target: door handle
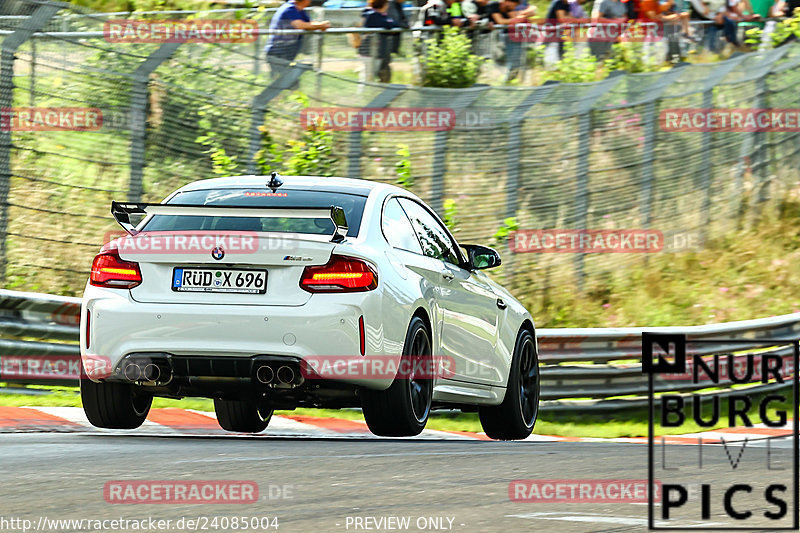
<point x="447" y="274"/>
<point x="501" y="304"/>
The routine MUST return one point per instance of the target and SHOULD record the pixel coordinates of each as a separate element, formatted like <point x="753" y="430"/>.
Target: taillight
<point x="340" y="274"/>
<point x="108" y="270"/>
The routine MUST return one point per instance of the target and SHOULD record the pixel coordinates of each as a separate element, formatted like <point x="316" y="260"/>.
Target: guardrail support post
<point x="11" y="44"/>
<point x="138" y="116"/>
<point x="285" y="81"/>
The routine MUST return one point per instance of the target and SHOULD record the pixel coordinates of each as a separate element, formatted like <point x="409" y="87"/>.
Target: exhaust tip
<point x="285" y="375"/>
<point x="151" y="372"/>
<point x="265" y="374"/>
<point x="133" y="372"/>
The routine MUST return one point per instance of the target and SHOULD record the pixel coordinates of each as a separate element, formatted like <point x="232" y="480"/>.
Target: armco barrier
<point x="582" y="368"/>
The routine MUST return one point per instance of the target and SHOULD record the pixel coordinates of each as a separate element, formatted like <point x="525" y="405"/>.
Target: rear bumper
<point x="327" y="324"/>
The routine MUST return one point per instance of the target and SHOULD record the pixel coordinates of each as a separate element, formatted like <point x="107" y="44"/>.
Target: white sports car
<point x="276" y="292"/>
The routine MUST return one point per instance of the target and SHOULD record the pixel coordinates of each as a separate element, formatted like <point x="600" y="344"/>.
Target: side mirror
<point x="481" y="257"/>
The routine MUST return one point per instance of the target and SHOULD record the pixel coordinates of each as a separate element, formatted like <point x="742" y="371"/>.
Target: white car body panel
<point x="464" y="316"/>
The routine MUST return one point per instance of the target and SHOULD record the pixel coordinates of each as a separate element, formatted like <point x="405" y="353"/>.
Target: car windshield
<point x="352" y="204"/>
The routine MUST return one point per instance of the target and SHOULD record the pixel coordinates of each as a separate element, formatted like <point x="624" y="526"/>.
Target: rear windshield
<point x="352" y="204"/>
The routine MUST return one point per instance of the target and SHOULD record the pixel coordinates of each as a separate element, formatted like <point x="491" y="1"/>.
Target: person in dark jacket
<point x="375" y="17"/>
<point x="281" y="49"/>
<point x="397" y="14"/>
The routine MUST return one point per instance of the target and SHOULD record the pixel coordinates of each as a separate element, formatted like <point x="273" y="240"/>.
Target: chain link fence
<point x="570" y="156"/>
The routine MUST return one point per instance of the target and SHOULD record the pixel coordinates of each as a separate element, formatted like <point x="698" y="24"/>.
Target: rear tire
<point x="402" y="410"/>
<point x="515" y="417"/>
<point x="114" y="405"/>
<point x="242" y="416"/>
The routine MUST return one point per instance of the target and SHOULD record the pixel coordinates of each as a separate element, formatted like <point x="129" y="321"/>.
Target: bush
<point x="449" y="61"/>
<point x="575" y="66"/>
<point x="629" y="56"/>
<point x="784" y="31"/>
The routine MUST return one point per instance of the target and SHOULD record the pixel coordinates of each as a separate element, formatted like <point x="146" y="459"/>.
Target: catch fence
<point x="554" y="156"/>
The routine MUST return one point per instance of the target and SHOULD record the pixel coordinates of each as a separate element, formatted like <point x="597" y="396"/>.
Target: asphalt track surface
<point x="333" y="481"/>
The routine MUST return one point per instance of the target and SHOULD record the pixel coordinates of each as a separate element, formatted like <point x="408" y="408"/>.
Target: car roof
<point x="311" y="183"/>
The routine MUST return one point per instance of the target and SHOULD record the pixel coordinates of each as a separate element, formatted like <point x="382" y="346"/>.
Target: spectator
<point x="509" y="12"/>
<point x="560" y="13"/>
<point x="397" y="14"/>
<point x="784" y="8"/>
<point x="375" y="17"/>
<point x="282" y="49"/>
<point x="664" y="12"/>
<point x="477" y="13"/>
<point x="576" y="10"/>
<point x="615" y="10"/>
<point x="726" y="18"/>
<point x="440" y="13"/>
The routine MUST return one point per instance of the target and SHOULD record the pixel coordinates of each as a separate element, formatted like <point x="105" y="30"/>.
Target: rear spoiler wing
<point x="122" y="213"/>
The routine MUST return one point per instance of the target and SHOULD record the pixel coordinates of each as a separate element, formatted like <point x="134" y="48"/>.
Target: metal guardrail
<point x="582" y="368"/>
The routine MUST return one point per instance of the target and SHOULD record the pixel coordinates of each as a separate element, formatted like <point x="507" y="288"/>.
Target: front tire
<point x="402" y="410"/>
<point x="114" y="405"/>
<point x="514" y="418"/>
<point x="242" y="416"/>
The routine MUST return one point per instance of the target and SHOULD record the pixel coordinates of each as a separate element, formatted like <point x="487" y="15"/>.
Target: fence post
<point x="584" y="150"/>
<point x="650" y="129"/>
<point x="461" y="99"/>
<point x="138" y="116"/>
<point x="256" y="55"/>
<point x="705" y="170"/>
<point x="285" y="81"/>
<point x="514" y="152"/>
<point x="32" y="86"/>
<point x="11" y="44"/>
<point x="354" y="141"/>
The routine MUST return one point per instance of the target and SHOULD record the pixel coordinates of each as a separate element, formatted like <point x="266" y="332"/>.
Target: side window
<point x="433" y="237"/>
<point x="397" y="229"/>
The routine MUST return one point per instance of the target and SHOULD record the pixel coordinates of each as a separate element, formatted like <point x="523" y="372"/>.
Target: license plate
<point x="219" y="280"/>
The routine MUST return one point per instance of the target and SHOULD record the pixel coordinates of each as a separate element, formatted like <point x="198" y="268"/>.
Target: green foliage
<point x="629" y="56"/>
<point x="449" y="61"/>
<point x="270" y="156"/>
<point x="221" y="163"/>
<point x="509" y="224"/>
<point x="784" y="30"/>
<point x="450" y="211"/>
<point x="576" y="66"/>
<point x="312" y="154"/>
<point x="142" y="5"/>
<point x="403" y="167"/>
